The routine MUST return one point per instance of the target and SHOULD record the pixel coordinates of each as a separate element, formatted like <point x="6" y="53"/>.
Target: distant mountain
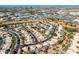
<point x="41" y="6"/>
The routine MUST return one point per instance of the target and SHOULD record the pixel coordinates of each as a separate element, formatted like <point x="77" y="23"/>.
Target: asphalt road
<point x="35" y="40"/>
<point x="49" y="37"/>
<point x="1" y="41"/>
<point x="17" y="44"/>
<point x="33" y="37"/>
